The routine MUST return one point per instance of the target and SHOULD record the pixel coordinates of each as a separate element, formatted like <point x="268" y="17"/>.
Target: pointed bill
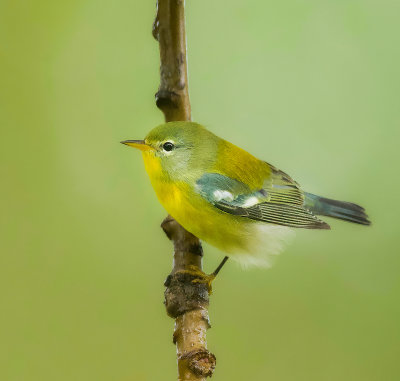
<point x="139" y="144"/>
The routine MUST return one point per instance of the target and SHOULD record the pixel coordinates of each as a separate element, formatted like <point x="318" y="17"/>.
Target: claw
<point x="201" y="276"/>
<point x="206" y="279"/>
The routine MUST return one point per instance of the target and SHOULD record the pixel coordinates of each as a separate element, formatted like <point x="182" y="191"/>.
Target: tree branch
<point x="185" y="301"/>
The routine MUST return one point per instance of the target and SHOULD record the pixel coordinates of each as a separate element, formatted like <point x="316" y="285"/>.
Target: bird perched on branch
<point x="225" y="196"/>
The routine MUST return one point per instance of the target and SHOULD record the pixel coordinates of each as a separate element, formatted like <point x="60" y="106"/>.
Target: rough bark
<point x="185" y="301"/>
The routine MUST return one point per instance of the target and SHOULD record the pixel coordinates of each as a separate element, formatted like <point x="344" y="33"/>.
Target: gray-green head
<point x="184" y="148"/>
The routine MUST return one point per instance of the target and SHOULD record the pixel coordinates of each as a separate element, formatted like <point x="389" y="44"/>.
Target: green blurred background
<point x="311" y="86"/>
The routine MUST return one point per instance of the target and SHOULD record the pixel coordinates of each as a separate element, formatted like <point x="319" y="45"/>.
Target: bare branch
<point x="169" y="29"/>
<point x="185" y="301"/>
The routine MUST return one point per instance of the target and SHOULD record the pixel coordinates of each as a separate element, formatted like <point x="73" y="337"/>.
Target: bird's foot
<point x="206" y="279"/>
<point x="201" y="276"/>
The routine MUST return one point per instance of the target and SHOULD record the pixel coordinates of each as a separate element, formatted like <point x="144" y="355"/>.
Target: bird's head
<point x="182" y="148"/>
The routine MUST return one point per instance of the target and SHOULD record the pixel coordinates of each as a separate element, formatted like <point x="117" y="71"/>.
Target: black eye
<point x="168" y="146"/>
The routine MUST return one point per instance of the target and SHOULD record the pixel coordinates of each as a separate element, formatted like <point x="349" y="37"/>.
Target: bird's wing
<point x="279" y="201"/>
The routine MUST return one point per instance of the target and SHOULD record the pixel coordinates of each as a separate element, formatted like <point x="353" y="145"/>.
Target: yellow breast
<point x="171" y="195"/>
<point x="193" y="212"/>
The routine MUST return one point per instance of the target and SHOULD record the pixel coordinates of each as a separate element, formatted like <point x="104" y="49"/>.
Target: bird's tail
<point x="342" y="210"/>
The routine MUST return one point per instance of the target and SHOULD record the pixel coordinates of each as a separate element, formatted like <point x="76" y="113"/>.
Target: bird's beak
<point x="139" y="144"/>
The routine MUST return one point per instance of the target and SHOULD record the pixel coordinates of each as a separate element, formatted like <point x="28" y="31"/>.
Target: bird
<point x="227" y="197"/>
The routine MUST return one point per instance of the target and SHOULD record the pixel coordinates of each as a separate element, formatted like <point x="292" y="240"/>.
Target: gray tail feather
<point x="342" y="210"/>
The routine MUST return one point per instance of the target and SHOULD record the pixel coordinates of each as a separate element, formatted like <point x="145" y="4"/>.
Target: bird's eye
<point x="168" y="146"/>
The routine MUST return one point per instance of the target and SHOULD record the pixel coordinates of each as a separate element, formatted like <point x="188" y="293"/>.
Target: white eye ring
<point x="168" y="146"/>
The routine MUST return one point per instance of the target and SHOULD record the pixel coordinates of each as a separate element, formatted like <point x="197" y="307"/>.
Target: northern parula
<point x="227" y="197"/>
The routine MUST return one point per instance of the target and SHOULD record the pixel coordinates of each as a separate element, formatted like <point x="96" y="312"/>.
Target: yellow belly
<point x="194" y="213"/>
<point x="201" y="218"/>
<point x="229" y="233"/>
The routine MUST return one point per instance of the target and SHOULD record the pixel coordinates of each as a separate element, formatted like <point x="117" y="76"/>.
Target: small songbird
<point x="225" y="196"/>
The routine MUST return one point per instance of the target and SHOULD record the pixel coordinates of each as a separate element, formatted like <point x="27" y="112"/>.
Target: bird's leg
<point x="202" y="277"/>
<point x="218" y="269"/>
